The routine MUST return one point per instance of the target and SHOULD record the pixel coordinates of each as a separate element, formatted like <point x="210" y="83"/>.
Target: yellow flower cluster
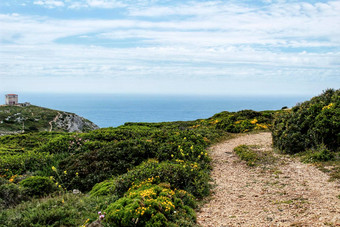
<point x="171" y="192"/>
<point x="194" y="165"/>
<point x="148" y="193"/>
<point x="253" y="121"/>
<point x="328" y="107"/>
<point x="167" y="204"/>
<point x="214" y="122"/>
<point x="141" y="210"/>
<point x="261" y="126"/>
<point x="147" y="181"/>
<point x="12" y="178"/>
<point x="195" y="126"/>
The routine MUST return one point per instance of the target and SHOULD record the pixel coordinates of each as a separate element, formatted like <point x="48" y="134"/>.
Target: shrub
<point x="309" y="124"/>
<point x="10" y="194"/>
<point x="182" y="175"/>
<point x="320" y="154"/>
<point x="62" y="210"/>
<point x="38" y="186"/>
<point x="151" y="205"/>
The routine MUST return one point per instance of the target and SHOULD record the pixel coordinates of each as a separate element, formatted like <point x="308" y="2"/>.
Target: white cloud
<point x="49" y="3"/>
<point x="279" y="42"/>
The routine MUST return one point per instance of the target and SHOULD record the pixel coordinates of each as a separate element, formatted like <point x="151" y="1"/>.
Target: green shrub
<point x="151" y="205"/>
<point x="38" y="186"/>
<point x="62" y="210"/>
<point x="321" y="154"/>
<point x="244" y="121"/>
<point x="309" y="124"/>
<point x="182" y="175"/>
<point x="10" y="194"/>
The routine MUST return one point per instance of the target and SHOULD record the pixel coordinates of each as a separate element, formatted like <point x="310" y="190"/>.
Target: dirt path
<point x="53" y="121"/>
<point x="290" y="194"/>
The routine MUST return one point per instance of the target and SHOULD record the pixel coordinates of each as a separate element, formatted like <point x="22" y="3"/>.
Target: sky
<point x="236" y="47"/>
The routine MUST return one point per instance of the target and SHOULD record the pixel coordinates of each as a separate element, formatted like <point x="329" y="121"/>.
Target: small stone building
<point x="11" y="99"/>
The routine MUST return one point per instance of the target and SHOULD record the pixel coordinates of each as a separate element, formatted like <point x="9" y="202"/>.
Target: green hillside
<point x="144" y="174"/>
<point x="18" y="119"/>
<point x="150" y="172"/>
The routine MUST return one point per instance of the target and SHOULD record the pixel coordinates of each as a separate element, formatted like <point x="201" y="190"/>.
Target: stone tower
<point x="11" y="99"/>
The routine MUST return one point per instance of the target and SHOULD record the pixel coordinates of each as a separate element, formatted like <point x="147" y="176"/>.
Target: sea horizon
<point x="112" y="110"/>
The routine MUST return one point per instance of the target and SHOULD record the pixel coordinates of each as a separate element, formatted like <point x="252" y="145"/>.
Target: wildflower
<point x="51" y="177"/>
<point x="54" y="169"/>
<point x="101" y="217"/>
<point x="65" y="172"/>
<point x="172" y="156"/>
<point x="77" y="173"/>
<point x="59" y="186"/>
<point x="62" y="201"/>
<point x="99" y="213"/>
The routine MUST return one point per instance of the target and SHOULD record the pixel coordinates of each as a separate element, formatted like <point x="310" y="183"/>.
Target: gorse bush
<point x="244" y="121"/>
<point x="309" y="124"/>
<point x="185" y="175"/>
<point x="151" y="205"/>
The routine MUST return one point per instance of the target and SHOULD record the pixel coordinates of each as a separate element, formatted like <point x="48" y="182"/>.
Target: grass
<point x="326" y="161"/>
<point x="254" y="156"/>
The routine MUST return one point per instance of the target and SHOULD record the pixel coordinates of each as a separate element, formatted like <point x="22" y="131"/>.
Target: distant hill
<point x="18" y="119"/>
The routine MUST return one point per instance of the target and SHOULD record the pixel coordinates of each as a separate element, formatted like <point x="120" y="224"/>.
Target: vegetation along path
<point x="281" y="192"/>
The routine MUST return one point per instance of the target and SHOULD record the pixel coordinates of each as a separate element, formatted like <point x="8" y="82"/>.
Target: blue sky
<point x="268" y="47"/>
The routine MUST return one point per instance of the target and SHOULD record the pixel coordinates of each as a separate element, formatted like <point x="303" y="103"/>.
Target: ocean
<point x="111" y="110"/>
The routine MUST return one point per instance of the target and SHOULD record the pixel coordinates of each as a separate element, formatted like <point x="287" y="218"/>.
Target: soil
<point x="283" y="193"/>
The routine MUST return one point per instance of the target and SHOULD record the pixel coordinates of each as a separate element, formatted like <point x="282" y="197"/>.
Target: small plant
<point x="320" y="154"/>
<point x="10" y="194"/>
<point x="254" y="156"/>
<point x="38" y="186"/>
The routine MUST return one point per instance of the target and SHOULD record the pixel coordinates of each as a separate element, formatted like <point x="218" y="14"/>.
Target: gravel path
<point x="287" y="194"/>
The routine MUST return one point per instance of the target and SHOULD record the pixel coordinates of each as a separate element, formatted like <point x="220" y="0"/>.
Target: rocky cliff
<point x="19" y="119"/>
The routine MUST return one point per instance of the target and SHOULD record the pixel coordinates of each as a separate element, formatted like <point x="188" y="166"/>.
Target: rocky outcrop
<point x="72" y="123"/>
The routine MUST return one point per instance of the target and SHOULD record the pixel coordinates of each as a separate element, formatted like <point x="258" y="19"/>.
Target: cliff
<point x="18" y="119"/>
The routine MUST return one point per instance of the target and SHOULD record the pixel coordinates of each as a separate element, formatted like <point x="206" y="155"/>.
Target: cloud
<point x="277" y="41"/>
<point x="49" y="3"/>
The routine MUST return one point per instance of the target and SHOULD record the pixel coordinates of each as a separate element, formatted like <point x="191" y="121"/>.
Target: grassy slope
<point x="31" y="118"/>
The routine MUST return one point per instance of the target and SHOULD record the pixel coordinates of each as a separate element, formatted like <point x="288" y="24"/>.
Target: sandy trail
<point x="291" y="194"/>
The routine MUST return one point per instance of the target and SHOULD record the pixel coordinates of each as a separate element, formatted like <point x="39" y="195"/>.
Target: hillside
<point x="153" y="174"/>
<point x="18" y="119"/>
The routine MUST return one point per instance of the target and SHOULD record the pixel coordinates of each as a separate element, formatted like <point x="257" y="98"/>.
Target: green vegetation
<point x="311" y="130"/>
<point x="253" y="156"/>
<point x="309" y="124"/>
<point x="140" y="174"/>
<point x="144" y="174"/>
<point x="16" y="119"/>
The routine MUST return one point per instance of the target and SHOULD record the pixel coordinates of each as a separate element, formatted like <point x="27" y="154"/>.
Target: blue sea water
<point x="108" y="110"/>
